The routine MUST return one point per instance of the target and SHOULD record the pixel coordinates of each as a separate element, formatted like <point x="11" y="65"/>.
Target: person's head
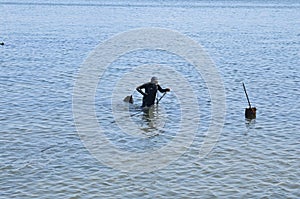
<point x="154" y="80"/>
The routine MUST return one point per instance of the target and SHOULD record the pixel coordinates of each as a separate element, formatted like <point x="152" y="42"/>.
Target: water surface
<point x="256" y="42"/>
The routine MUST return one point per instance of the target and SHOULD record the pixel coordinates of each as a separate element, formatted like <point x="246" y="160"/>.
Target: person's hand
<point x="168" y="89"/>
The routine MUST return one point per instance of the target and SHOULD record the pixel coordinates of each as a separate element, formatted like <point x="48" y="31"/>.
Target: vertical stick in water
<point x="246" y="95"/>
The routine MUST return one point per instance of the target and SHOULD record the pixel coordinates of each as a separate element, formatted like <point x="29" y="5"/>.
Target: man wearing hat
<point x="150" y="90"/>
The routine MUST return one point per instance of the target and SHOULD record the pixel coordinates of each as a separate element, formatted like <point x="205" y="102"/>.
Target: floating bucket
<point x="250" y="113"/>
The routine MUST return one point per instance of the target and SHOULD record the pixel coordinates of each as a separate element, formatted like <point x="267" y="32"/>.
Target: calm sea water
<point x="256" y="42"/>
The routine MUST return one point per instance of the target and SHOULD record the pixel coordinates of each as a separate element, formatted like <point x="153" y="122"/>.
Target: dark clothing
<point x="150" y="93"/>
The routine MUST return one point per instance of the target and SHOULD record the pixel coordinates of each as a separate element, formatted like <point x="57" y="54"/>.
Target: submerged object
<point x="250" y="113"/>
<point x="128" y="99"/>
<point x="2" y="43"/>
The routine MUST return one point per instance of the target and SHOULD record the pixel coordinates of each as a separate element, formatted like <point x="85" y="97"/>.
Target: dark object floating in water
<point x="250" y="113"/>
<point x="128" y="99"/>
<point x="2" y="43"/>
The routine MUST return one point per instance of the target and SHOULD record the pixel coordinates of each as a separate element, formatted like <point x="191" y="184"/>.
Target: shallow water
<point x="41" y="154"/>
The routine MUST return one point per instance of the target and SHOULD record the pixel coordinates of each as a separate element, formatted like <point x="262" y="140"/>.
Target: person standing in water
<point x="150" y="90"/>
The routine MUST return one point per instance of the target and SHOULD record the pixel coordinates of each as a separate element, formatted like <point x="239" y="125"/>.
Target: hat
<point x="154" y="80"/>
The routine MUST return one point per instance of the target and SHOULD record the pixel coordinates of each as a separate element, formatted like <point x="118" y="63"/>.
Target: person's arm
<point x="162" y="90"/>
<point x="139" y="89"/>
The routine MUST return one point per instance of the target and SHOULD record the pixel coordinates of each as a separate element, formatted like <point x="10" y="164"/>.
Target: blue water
<point x="255" y="42"/>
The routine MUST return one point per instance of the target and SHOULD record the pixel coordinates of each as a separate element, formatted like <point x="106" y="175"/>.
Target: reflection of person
<point x="150" y="90"/>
